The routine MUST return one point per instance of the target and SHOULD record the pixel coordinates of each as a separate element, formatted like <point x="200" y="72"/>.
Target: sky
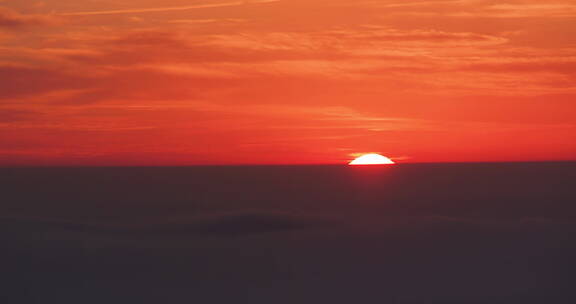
<point x="150" y="82"/>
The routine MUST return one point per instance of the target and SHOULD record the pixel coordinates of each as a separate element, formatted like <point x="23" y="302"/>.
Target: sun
<point x="371" y="159"/>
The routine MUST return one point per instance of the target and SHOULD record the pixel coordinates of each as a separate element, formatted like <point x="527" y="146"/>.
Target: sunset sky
<point x="175" y="82"/>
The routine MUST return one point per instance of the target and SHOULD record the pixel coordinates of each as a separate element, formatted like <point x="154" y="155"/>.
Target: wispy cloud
<point x="168" y="9"/>
<point x="13" y="19"/>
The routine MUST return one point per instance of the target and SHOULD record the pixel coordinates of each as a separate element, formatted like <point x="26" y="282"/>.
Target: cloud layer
<point x="228" y="70"/>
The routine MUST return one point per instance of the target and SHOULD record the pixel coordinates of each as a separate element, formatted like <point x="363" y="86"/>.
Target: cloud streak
<point x="12" y="19"/>
<point x="167" y="9"/>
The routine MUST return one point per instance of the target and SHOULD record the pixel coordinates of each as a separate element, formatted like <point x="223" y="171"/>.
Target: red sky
<point x="151" y="82"/>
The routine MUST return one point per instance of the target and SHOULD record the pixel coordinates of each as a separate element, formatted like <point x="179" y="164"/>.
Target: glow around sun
<point x="371" y="159"/>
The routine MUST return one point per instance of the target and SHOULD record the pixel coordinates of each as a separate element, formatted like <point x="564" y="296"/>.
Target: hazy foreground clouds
<point x="482" y="233"/>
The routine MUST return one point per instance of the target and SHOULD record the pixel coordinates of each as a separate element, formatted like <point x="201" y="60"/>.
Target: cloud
<point x="567" y="67"/>
<point x="18" y="81"/>
<point x="226" y="225"/>
<point x="167" y="9"/>
<point x="208" y="21"/>
<point x="531" y="10"/>
<point x="12" y="19"/>
<point x="81" y="86"/>
<point x="16" y="115"/>
<point x="473" y="8"/>
<point x="156" y="63"/>
<point x="383" y="34"/>
<point x="314" y="50"/>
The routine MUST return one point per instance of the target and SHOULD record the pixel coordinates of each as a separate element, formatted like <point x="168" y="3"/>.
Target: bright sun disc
<point x="371" y="159"/>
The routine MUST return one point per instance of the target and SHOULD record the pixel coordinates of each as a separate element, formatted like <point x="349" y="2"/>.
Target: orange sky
<point x="151" y="82"/>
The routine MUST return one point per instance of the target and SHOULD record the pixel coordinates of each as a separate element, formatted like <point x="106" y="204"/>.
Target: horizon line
<point x="285" y="165"/>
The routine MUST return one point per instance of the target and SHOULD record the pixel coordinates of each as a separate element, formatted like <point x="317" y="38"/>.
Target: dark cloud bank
<point x="476" y="233"/>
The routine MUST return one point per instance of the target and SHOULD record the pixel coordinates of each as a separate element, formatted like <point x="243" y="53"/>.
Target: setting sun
<point x="371" y="159"/>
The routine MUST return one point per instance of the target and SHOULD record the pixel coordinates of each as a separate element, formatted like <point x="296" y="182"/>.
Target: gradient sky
<point x="151" y="82"/>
